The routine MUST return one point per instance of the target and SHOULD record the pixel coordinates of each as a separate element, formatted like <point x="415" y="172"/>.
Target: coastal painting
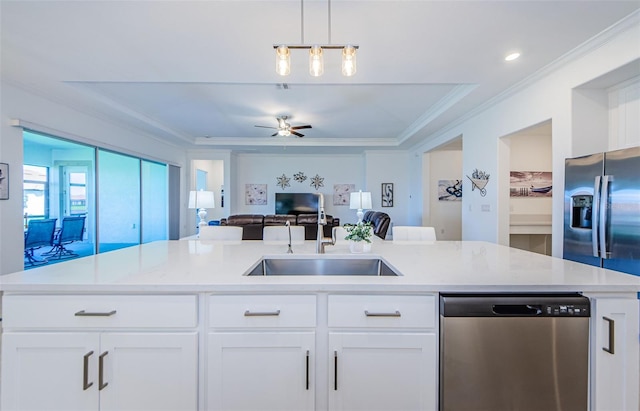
<point x="530" y="184"/>
<point x="449" y="190"/>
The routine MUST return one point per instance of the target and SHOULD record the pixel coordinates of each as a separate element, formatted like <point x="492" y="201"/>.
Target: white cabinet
<point x="383" y="352"/>
<point x="261" y="371"/>
<point x="74" y="353"/>
<point x="261" y="352"/>
<point x="614" y="354"/>
<point x="45" y="371"/>
<point x="383" y="371"/>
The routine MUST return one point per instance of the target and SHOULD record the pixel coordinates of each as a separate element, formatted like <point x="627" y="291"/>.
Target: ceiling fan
<point x="285" y="129"/>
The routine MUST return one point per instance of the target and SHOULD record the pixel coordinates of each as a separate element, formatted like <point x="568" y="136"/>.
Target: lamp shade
<point x="360" y="201"/>
<point x="201" y="199"/>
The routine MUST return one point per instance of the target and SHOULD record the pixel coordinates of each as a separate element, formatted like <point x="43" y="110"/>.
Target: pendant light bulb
<point x="348" y="61"/>
<point x="283" y="60"/>
<point x="316" y="63"/>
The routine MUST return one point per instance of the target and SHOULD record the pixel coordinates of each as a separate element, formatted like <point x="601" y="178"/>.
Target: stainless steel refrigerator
<point x="602" y="210"/>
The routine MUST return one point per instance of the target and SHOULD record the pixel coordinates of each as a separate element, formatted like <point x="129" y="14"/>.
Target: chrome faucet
<point x="288" y="224"/>
<point x="322" y="221"/>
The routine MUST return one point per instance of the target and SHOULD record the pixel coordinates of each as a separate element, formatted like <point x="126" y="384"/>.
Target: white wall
<point x="543" y="97"/>
<point x="367" y="172"/>
<point x="266" y="168"/>
<point x="393" y="167"/>
<point x="444" y="216"/>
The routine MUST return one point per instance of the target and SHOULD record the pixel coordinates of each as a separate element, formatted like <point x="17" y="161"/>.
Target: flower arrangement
<point x="359" y="232"/>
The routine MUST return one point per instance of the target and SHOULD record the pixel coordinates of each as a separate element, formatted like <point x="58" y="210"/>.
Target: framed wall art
<point x="342" y="193"/>
<point x="255" y="194"/>
<point x="387" y="195"/>
<point x="4" y="181"/>
<point x="530" y="184"/>
<point x="449" y="190"/>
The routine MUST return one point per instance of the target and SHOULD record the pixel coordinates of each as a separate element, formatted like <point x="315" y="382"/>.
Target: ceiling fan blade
<point x="267" y="127"/>
<point x="274" y="134"/>
<point x="296" y="133"/>
<point x="299" y="127"/>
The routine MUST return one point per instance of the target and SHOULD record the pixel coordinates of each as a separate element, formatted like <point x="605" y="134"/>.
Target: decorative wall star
<point x="283" y="181"/>
<point x="299" y="177"/>
<point x="317" y="182"/>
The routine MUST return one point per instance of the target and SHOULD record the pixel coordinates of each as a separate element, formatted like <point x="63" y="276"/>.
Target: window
<point x="36" y="192"/>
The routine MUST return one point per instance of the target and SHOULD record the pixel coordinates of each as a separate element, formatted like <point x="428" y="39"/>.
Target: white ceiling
<point x="202" y="73"/>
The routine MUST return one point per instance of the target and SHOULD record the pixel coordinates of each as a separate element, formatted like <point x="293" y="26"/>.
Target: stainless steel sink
<point x="322" y="266"/>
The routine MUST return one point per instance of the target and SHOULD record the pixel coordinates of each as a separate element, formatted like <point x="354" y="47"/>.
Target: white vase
<point x="359" y="247"/>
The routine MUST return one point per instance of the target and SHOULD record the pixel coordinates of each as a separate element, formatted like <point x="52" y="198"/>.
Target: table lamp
<point x="201" y="200"/>
<point x="359" y="201"/>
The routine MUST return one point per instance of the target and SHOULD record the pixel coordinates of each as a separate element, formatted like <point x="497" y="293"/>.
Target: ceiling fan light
<point x="284" y="132"/>
<point x="348" y="61"/>
<point x="283" y="60"/>
<point x="316" y="61"/>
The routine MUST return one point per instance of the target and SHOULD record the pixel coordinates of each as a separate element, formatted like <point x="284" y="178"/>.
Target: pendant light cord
<point x="329" y="19"/>
<point x="301" y="21"/>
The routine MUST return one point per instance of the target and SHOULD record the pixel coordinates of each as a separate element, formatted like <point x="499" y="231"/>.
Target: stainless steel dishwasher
<point x="508" y="352"/>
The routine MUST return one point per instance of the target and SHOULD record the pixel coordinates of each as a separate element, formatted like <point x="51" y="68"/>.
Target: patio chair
<point x="72" y="230"/>
<point x="39" y="234"/>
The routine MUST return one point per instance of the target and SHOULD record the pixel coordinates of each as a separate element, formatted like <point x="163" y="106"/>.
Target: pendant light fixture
<point x="348" y="61"/>
<point x="316" y="61"/>
<point x="316" y="52"/>
<point x="283" y="60"/>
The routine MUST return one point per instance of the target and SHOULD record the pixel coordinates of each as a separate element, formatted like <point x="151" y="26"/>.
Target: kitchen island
<point x="177" y="325"/>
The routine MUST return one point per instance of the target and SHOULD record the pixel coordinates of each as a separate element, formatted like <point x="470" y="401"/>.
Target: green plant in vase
<point x="360" y="236"/>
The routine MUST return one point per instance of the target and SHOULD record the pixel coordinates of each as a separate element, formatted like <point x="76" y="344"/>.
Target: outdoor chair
<point x="39" y="234"/>
<point x="72" y="230"/>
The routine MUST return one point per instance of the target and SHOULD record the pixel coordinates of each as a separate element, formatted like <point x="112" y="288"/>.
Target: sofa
<point x="380" y="222"/>
<point x="252" y="224"/>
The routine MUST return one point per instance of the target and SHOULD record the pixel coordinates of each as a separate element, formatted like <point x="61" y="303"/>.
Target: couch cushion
<point x="244" y="219"/>
<point x="279" y="219"/>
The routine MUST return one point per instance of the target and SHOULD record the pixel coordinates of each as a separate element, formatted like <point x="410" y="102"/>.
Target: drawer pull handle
<point x="261" y="313"/>
<point x="394" y="314"/>
<point x="307" y="372"/>
<point x="335" y="370"/>
<point x="85" y="371"/>
<point x="101" y="383"/>
<point x="612" y="333"/>
<point x="83" y="313"/>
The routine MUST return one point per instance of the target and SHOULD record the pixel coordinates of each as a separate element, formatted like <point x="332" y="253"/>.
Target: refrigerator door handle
<point x="602" y="220"/>
<point x="595" y="214"/>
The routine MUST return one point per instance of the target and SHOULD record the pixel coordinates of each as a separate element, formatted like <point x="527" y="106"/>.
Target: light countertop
<point x="206" y="266"/>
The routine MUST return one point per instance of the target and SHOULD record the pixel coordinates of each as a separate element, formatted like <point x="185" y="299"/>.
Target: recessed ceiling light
<point x="512" y="56"/>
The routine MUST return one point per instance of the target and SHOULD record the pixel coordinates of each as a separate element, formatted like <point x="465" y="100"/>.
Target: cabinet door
<point x="49" y="371"/>
<point x="150" y="371"/>
<point x="394" y="371"/>
<point x="261" y="371"/>
<point x="615" y="354"/>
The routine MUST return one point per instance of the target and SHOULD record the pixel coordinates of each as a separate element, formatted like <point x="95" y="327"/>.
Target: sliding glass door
<point x="124" y="199"/>
<point x="118" y="201"/>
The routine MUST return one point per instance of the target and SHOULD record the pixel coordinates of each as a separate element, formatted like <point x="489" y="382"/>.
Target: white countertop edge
<point x="312" y="288"/>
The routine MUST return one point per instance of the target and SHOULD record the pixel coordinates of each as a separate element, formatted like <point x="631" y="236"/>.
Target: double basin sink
<point x="322" y="266"/>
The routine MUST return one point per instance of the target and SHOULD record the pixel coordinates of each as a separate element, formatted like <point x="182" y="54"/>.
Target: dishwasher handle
<point x="520" y="310"/>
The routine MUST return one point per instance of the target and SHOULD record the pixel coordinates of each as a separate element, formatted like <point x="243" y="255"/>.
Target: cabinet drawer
<point x="382" y="311"/>
<point x="258" y="311"/>
<point x="102" y="311"/>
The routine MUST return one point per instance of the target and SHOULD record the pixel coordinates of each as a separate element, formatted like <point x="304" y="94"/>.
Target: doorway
<point x="530" y="195"/>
